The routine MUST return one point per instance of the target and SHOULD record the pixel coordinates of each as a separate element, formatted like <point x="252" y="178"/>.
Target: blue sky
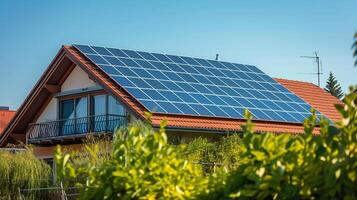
<point x="271" y="36"/>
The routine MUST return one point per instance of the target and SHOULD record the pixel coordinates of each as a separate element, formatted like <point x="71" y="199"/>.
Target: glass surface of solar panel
<point x="193" y="86"/>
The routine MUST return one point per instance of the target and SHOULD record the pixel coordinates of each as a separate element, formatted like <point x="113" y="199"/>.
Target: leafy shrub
<point x="22" y="170"/>
<point x="266" y="166"/>
<point x="97" y="152"/>
<point x="305" y="166"/>
<point x="141" y="165"/>
<point x="222" y="154"/>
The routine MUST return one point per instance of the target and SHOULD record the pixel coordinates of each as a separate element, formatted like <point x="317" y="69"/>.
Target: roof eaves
<point x="32" y="94"/>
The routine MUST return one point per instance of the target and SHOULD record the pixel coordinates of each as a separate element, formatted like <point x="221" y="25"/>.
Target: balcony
<point x="65" y="129"/>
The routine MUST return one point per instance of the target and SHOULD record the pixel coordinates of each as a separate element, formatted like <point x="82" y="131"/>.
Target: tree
<point x="333" y="87"/>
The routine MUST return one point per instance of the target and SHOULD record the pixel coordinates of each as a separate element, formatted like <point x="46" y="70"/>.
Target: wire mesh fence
<point x="57" y="192"/>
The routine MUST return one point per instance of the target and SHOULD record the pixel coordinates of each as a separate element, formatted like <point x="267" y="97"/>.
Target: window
<point x="67" y="116"/>
<point x="81" y="113"/>
<point x="114" y="107"/>
<point x="90" y="113"/>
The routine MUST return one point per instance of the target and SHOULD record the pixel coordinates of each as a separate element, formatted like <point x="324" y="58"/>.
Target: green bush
<point x="22" y="170"/>
<point x="304" y="166"/>
<point x="265" y="166"/>
<point x="211" y="155"/>
<point x="141" y="165"/>
<point x="100" y="146"/>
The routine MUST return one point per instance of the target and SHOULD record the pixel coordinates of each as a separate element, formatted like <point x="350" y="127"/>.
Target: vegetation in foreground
<point x="142" y="165"/>
<point x="20" y="170"/>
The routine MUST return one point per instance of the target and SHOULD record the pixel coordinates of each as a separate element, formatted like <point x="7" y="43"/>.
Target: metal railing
<point x="68" y="127"/>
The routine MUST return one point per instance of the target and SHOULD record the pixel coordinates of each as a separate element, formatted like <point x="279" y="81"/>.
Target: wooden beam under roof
<point x="53" y="88"/>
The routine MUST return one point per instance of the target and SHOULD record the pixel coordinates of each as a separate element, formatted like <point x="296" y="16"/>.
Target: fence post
<point x="63" y="193"/>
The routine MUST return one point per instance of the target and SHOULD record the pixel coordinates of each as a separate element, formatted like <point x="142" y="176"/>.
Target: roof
<point x="317" y="97"/>
<point x="174" y="84"/>
<point x="5" y="118"/>
<point x="180" y="121"/>
<point x="68" y="57"/>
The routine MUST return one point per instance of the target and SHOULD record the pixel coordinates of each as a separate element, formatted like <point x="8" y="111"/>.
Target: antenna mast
<point x="317" y="60"/>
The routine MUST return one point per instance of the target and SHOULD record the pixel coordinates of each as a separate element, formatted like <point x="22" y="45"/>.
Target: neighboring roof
<point x="65" y="61"/>
<point x="5" y="118"/>
<point x="315" y="96"/>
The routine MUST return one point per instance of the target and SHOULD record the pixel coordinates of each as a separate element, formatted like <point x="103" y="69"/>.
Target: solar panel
<point x="192" y="86"/>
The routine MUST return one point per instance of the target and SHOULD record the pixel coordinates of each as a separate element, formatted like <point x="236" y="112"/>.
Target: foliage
<point x="141" y="165"/>
<point x="100" y="146"/>
<point x="333" y="87"/>
<point x="222" y="154"/>
<point x="304" y="166"/>
<point x="266" y="166"/>
<point x="22" y="170"/>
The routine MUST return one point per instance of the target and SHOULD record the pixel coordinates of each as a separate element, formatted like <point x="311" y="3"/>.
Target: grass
<point x="22" y="170"/>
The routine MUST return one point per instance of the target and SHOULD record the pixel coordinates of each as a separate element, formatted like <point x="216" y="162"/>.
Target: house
<point x="89" y="89"/>
<point x="5" y="117"/>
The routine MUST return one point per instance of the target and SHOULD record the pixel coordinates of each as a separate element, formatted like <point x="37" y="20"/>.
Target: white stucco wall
<point x="78" y="79"/>
<point x="50" y="112"/>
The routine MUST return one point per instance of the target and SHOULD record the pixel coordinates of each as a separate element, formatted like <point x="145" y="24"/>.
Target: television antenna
<point x="317" y="60"/>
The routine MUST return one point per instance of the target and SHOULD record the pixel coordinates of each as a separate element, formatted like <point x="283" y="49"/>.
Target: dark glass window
<point x="81" y="113"/>
<point x="67" y="114"/>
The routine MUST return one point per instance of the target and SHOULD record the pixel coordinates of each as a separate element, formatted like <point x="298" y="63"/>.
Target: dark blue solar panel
<point x="109" y="69"/>
<point x="152" y="106"/>
<point x="132" y="54"/>
<point x="146" y="55"/>
<point x="145" y="64"/>
<point x="102" y="51"/>
<point x="97" y="59"/>
<point x="161" y="57"/>
<point x="117" y="52"/>
<point x="123" y="81"/>
<point x="194" y="86"/>
<point x="113" y="60"/>
<point x="185" y="108"/>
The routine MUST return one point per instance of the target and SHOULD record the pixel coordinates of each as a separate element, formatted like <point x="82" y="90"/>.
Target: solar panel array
<point x="193" y="86"/>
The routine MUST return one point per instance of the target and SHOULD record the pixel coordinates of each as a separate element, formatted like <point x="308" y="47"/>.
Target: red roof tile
<point x="315" y="96"/>
<point x="5" y="118"/>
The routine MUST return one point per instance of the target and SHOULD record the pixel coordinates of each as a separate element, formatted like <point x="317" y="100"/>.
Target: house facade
<point x="77" y="96"/>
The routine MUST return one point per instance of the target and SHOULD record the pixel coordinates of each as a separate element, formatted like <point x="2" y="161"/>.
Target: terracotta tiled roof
<point x="315" y="96"/>
<point x="178" y="121"/>
<point x="5" y="118"/>
<point x="210" y="123"/>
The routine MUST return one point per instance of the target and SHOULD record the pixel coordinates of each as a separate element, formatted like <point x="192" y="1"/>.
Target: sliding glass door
<point x="90" y="113"/>
<point x="115" y="113"/>
<point x="98" y="112"/>
<point x="67" y="116"/>
<point x="74" y="116"/>
<point x="81" y="113"/>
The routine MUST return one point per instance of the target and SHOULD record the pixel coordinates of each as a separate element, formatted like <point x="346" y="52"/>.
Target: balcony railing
<point x="76" y="126"/>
